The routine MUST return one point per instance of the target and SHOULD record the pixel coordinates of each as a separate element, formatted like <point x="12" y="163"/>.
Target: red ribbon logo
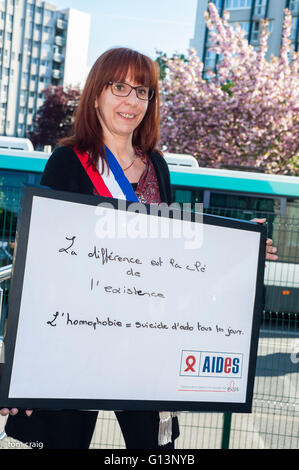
<point x="190" y="361"/>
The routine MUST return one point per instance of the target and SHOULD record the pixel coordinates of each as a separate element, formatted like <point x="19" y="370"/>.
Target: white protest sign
<point x="131" y="317"/>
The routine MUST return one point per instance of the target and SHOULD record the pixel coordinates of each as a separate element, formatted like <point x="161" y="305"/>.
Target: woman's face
<point x="120" y="116"/>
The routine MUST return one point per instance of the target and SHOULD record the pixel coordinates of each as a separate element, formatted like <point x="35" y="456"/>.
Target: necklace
<point x="125" y="169"/>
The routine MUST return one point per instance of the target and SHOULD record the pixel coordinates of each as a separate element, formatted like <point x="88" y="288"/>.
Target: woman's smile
<point x="127" y="115"/>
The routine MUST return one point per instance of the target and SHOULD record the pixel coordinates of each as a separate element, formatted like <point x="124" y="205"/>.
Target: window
<point x="237" y="4"/>
<point x="188" y="196"/>
<point x="48" y="13"/>
<point x="294" y="28"/>
<point x="255" y="31"/>
<point x="46" y="47"/>
<point x="294" y="6"/>
<point x="244" y="26"/>
<point x="210" y="60"/>
<point x="260" y="7"/>
<point x="9" y="20"/>
<point x="27" y="43"/>
<point x="30" y="7"/>
<point x="218" y="3"/>
<point x="11" y="182"/>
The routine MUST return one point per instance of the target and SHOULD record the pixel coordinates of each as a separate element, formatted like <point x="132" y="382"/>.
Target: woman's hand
<point x="13" y="412"/>
<point x="270" y="250"/>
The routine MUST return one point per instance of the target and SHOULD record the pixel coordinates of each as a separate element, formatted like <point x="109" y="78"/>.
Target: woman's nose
<point x="132" y="97"/>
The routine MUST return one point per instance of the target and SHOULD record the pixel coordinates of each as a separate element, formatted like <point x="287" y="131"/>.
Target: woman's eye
<point x="142" y="91"/>
<point x="119" y="86"/>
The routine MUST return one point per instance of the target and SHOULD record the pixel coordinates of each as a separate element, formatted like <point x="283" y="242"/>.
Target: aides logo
<point x="220" y="365"/>
<point x="211" y="364"/>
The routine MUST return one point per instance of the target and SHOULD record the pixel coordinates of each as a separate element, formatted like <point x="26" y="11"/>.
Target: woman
<point x="117" y="122"/>
<point x="116" y="126"/>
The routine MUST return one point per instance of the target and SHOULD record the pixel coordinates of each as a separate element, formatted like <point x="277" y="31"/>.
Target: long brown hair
<point x="114" y="65"/>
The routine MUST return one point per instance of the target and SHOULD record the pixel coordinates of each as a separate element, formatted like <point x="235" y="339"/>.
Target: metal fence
<point x="274" y="421"/>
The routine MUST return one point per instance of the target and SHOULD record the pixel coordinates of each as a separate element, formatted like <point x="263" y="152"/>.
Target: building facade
<point x="39" y="46"/>
<point x="248" y="13"/>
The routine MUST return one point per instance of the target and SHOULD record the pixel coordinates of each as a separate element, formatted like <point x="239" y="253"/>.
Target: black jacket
<point x="64" y="172"/>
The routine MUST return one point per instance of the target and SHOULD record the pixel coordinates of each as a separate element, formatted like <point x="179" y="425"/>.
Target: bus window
<point x="188" y="196"/>
<point x="227" y="201"/>
<point x="12" y="179"/>
<point x="15" y="179"/>
<point x="261" y="204"/>
<point x="252" y="203"/>
<point x="183" y="195"/>
<point x="10" y="186"/>
<point x="292" y="210"/>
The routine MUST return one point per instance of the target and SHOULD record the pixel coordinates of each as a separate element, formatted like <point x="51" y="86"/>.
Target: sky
<point x="163" y="25"/>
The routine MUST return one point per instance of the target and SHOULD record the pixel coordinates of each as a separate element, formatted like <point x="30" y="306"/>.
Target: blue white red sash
<point x="114" y="183"/>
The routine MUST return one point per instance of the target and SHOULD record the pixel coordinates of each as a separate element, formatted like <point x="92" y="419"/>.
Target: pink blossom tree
<point x="246" y="113"/>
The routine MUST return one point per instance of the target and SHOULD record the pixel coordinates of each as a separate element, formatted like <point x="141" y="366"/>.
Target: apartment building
<point x="39" y="46"/>
<point x="248" y="13"/>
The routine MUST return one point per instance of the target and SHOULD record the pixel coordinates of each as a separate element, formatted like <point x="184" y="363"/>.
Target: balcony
<point x="60" y="41"/>
<point x="61" y="24"/>
<point x="58" y="57"/>
<point x="57" y="74"/>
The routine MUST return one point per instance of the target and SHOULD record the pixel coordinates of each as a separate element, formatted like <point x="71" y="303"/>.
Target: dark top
<point x="64" y="172"/>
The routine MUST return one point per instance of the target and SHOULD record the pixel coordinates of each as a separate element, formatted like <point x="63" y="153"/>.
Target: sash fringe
<point x="165" y="427"/>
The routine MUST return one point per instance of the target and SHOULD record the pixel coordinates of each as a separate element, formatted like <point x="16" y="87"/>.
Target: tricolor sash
<point x="113" y="183"/>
